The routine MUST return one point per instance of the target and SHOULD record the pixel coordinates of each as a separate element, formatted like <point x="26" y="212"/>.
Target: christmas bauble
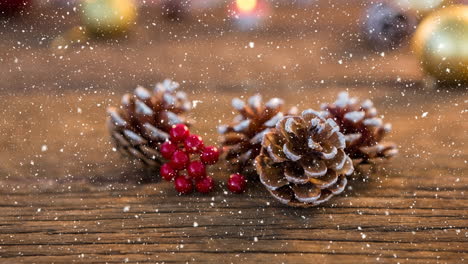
<point x="420" y="6"/>
<point x="386" y="26"/>
<point x="441" y="44"/>
<point x="9" y="7"/>
<point x="108" y="17"/>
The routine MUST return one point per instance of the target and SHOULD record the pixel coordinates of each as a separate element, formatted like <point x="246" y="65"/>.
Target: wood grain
<point x="78" y="201"/>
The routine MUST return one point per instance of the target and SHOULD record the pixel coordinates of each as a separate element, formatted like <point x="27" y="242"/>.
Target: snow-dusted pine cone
<point x="363" y="129"/>
<point x="242" y="139"/>
<point x="144" y="119"/>
<point x="302" y="163"/>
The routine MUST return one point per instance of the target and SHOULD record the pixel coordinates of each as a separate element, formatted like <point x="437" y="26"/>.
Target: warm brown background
<point x="66" y="204"/>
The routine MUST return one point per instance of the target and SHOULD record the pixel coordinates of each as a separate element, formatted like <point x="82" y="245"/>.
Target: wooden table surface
<point x="66" y="197"/>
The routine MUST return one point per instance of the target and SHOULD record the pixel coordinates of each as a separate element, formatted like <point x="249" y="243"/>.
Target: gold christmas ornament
<point x="441" y="44"/>
<point x="420" y="6"/>
<point x="108" y="17"/>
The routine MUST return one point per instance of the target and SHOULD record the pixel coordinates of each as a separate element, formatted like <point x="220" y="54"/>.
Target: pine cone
<point x="362" y="128"/>
<point x="144" y="119"/>
<point x="242" y="139"/>
<point x="302" y="163"/>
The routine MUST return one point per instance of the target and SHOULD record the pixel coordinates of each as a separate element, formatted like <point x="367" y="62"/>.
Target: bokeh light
<point x="246" y="6"/>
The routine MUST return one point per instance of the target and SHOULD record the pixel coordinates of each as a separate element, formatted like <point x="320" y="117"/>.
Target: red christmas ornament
<point x="237" y="183"/>
<point x="179" y="133"/>
<point x="205" y="185"/>
<point x="183" y="185"/>
<point x="210" y="155"/>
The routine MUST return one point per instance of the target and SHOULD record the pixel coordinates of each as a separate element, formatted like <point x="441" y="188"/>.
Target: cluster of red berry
<point x="178" y="151"/>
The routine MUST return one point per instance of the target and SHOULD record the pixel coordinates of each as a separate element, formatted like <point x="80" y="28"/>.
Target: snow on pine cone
<point x="363" y="129"/>
<point x="302" y="163"/>
<point x="144" y="119"/>
<point x="242" y="139"/>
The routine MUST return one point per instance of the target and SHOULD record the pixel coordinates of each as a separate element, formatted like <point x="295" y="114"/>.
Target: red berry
<point x="210" y="155"/>
<point x="196" y="169"/>
<point x="179" y="133"/>
<point x="167" y="149"/>
<point x="193" y="143"/>
<point x="205" y="185"/>
<point x="167" y="172"/>
<point x="183" y="184"/>
<point x="236" y="183"/>
<point x="179" y="160"/>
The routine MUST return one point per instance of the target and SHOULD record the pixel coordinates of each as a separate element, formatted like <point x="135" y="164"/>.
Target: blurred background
<point x="62" y="63"/>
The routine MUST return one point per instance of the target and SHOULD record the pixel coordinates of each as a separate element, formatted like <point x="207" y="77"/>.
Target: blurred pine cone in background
<point x="362" y="128"/>
<point x="303" y="162"/>
<point x="144" y="119"/>
<point x="242" y="139"/>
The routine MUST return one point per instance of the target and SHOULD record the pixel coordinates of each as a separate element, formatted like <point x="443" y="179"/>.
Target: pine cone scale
<point x="290" y="152"/>
<point x="295" y="174"/>
<point x="326" y="181"/>
<point x="273" y="145"/>
<point x="338" y="140"/>
<point x="270" y="176"/>
<point x="306" y="193"/>
<point x="314" y="168"/>
<point x="386" y="149"/>
<point x="339" y="186"/>
<point x="328" y="151"/>
<point x="154" y="133"/>
<point x="284" y="195"/>
<point x="133" y="138"/>
<point x="338" y="161"/>
<point x="257" y="139"/>
<point x="115" y="119"/>
<point x="274" y="120"/>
